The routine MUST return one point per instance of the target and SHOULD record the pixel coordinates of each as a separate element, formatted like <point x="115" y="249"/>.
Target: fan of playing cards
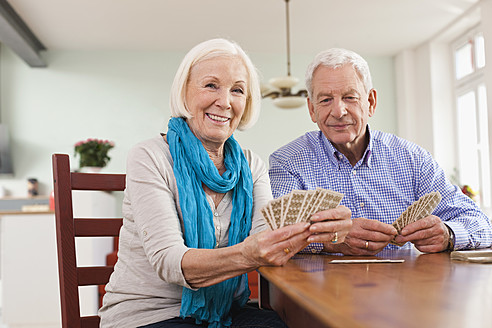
<point x="420" y="209"/>
<point x="298" y="206"/>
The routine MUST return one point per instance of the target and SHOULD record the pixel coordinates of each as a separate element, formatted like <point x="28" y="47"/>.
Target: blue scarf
<point x="192" y="167"/>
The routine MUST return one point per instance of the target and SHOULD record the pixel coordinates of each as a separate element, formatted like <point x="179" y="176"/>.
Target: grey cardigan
<point x="147" y="283"/>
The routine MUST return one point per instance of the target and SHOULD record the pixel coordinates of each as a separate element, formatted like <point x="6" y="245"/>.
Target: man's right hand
<point x="367" y="237"/>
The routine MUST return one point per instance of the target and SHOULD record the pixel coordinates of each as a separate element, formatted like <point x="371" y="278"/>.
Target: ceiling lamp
<point x="281" y="92"/>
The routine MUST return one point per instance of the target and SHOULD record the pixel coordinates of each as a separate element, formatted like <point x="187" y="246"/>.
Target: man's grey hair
<point x="337" y="57"/>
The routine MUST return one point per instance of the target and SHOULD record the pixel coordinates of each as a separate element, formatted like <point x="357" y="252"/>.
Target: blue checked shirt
<point x="392" y="174"/>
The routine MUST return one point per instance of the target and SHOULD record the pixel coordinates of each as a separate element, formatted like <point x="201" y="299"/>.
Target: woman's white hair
<point x="337" y="57"/>
<point x="210" y="49"/>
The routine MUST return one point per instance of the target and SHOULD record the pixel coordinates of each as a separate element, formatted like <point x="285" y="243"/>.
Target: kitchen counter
<point x="14" y="205"/>
<point x="25" y="212"/>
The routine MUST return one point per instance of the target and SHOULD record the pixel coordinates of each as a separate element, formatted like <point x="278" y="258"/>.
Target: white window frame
<point x="471" y="82"/>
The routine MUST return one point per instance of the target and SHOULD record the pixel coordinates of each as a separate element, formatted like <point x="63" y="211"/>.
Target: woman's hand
<point x="205" y="267"/>
<point x="276" y="247"/>
<point x="330" y="226"/>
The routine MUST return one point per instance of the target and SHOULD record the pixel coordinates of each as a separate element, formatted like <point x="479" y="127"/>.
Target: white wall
<point x="425" y="100"/>
<point x="425" y="91"/>
<point x="116" y="96"/>
<point x="123" y="96"/>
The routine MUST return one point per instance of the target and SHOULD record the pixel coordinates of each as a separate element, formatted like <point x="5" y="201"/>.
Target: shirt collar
<point x="335" y="156"/>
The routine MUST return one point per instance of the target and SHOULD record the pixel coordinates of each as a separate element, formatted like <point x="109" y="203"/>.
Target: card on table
<point x="363" y="261"/>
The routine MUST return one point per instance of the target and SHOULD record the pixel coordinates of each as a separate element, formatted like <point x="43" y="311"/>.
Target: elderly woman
<point x="192" y="226"/>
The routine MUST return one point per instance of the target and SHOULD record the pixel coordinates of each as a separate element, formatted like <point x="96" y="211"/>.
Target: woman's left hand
<point x="278" y="246"/>
<point x="275" y="247"/>
<point x="330" y="226"/>
<point x="266" y="248"/>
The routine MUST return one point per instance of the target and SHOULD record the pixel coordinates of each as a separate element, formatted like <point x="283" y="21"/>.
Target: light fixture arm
<point x="288" y="35"/>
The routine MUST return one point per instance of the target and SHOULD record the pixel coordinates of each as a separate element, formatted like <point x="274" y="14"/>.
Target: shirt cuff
<point x="313" y="248"/>
<point x="460" y="234"/>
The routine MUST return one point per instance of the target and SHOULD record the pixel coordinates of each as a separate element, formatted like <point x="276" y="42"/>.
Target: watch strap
<point x="452" y="239"/>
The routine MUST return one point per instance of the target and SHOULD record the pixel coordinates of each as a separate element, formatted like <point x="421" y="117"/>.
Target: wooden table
<point x="427" y="290"/>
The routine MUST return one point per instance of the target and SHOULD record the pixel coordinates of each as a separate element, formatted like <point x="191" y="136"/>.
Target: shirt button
<point x="361" y="204"/>
<point x="217" y="227"/>
<point x="145" y="233"/>
<point x="217" y="245"/>
<point x="216" y="214"/>
<point x="354" y="172"/>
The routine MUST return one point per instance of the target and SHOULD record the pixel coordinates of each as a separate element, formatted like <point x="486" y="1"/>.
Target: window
<point x="471" y="115"/>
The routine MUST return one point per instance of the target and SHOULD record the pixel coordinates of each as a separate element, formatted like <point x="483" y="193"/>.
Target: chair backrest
<point x="68" y="227"/>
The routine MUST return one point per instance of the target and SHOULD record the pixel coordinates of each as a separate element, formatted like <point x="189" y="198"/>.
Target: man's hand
<point x="367" y="237"/>
<point x="429" y="235"/>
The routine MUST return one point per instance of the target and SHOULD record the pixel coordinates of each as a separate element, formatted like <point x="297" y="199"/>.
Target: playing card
<point x="295" y="205"/>
<point x="431" y="202"/>
<point x="275" y="207"/>
<point x="404" y="218"/>
<point x="399" y="224"/>
<point x="268" y="218"/>
<point x="330" y="199"/>
<point x="307" y="203"/>
<point x="285" y="205"/>
<point x="411" y="211"/>
<point x="320" y="195"/>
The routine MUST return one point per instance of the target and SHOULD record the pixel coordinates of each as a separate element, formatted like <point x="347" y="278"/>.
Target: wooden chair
<point x="68" y="228"/>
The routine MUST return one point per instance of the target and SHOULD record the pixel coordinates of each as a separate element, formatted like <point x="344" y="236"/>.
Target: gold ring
<point x="335" y="238"/>
<point x="367" y="244"/>
<point x="286" y="250"/>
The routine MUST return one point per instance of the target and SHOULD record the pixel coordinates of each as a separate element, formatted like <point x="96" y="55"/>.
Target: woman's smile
<point x="218" y="118"/>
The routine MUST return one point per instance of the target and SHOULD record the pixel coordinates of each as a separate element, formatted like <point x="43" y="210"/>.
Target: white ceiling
<point x="371" y="27"/>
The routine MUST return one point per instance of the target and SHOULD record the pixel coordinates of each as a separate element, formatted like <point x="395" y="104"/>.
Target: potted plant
<point x="93" y="153"/>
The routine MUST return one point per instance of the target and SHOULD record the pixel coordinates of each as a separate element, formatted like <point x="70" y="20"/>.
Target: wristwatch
<point x="451" y="239"/>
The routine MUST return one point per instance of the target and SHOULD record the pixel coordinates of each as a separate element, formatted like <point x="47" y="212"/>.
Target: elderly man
<point x="379" y="174"/>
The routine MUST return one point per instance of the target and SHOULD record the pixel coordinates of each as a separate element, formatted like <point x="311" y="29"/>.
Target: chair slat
<point x="97" y="227"/>
<point x="94" y="275"/>
<point x="98" y="181"/>
<point x="89" y="321"/>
